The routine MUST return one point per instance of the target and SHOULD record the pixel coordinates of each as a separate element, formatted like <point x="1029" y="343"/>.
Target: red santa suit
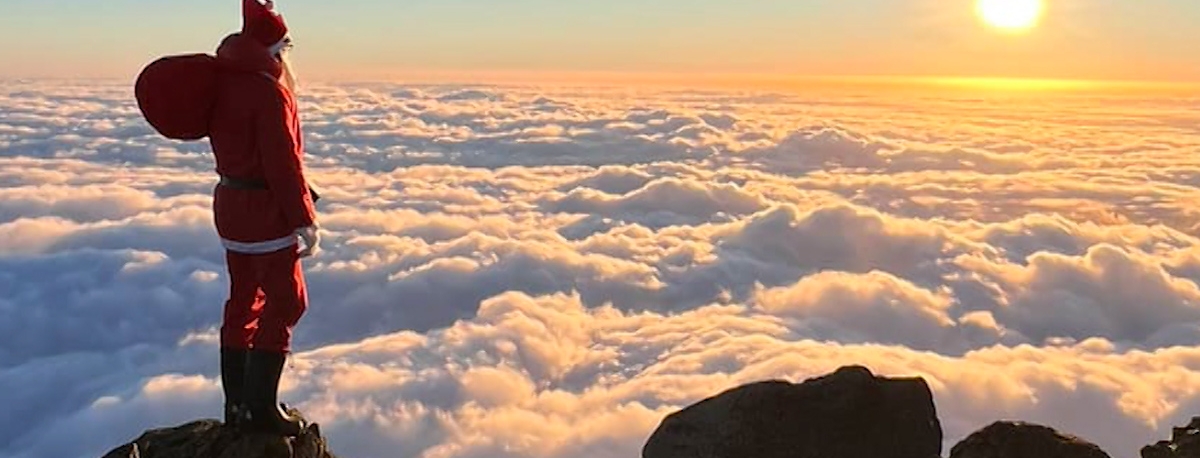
<point x="264" y="197"/>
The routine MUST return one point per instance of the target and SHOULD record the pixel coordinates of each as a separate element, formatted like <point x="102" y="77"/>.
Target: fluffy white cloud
<point x="582" y="262"/>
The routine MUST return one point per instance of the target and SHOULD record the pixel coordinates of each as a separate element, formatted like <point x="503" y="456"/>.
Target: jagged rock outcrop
<point x="1184" y="443"/>
<point x="1009" y="439"/>
<point x="850" y="413"/>
<point x="211" y="439"/>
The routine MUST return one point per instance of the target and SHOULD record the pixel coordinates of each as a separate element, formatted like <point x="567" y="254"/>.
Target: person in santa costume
<point x="263" y="207"/>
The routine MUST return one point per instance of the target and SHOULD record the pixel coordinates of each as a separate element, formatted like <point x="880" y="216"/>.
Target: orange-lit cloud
<point x="586" y="261"/>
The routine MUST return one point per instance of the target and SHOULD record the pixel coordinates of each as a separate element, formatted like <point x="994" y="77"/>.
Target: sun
<point x="1014" y="15"/>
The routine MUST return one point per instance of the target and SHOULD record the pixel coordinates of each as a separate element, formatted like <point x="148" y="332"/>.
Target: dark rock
<point x="1184" y="443"/>
<point x="211" y="439"/>
<point x="1006" y="439"/>
<point x="850" y="413"/>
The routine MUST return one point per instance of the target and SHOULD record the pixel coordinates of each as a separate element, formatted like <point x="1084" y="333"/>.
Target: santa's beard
<point x="288" y="78"/>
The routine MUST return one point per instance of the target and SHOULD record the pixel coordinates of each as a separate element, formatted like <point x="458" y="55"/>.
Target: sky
<point x="375" y="39"/>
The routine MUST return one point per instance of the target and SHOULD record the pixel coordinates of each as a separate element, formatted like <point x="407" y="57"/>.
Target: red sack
<point x="176" y="95"/>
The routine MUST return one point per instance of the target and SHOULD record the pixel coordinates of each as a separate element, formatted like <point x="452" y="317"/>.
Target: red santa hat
<point x="261" y="22"/>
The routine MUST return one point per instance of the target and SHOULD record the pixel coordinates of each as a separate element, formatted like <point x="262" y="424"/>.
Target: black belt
<point x="237" y="183"/>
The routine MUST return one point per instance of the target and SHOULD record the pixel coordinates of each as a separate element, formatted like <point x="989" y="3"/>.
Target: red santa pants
<point x="267" y="297"/>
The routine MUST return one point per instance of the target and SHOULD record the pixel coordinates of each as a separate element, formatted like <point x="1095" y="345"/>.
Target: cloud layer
<point x="547" y="272"/>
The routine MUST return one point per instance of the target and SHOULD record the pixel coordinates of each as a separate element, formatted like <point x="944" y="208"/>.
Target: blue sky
<point x="1086" y="39"/>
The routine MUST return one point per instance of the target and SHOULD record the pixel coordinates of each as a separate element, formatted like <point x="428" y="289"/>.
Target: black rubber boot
<point x="263" y="370"/>
<point x="233" y="376"/>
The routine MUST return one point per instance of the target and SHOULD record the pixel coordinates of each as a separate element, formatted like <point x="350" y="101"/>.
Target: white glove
<point x="312" y="240"/>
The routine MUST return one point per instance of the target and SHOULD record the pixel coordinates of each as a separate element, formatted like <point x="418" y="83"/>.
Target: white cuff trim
<point x="277" y="47"/>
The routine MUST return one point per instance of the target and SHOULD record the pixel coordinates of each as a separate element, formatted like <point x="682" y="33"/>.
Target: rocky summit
<point x="850" y="413"/>
<point x="211" y="439"/>
<point x="1007" y="439"/>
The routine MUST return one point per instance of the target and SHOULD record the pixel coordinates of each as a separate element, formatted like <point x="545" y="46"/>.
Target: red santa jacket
<point x="255" y="136"/>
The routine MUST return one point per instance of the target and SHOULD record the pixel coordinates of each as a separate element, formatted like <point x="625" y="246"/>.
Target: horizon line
<point x="469" y="77"/>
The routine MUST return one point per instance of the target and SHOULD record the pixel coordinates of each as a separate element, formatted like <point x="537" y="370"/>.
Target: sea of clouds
<point x="548" y="271"/>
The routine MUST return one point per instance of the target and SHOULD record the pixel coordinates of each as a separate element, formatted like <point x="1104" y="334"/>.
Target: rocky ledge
<point x="211" y="439"/>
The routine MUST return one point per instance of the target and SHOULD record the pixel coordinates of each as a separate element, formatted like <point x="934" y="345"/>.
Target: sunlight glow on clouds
<point x="585" y="261"/>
